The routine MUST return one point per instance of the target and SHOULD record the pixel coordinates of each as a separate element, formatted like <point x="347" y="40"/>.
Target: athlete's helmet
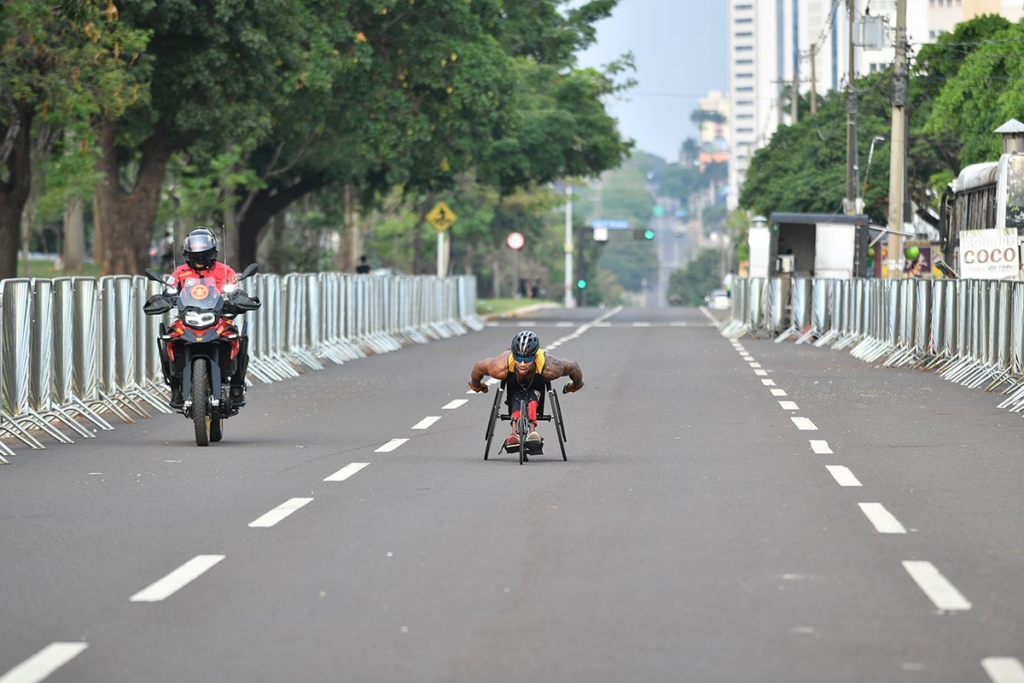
<point x="525" y="345"/>
<point x="200" y="249"/>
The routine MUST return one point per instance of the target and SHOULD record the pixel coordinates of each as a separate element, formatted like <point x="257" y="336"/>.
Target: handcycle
<point x="523" y="422"/>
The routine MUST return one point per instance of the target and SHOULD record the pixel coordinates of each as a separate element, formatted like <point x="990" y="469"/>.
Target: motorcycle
<point x="206" y="346"/>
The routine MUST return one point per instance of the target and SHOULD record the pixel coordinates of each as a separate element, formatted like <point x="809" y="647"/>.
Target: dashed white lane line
<point x="178" y="579"/>
<point x="936" y="586"/>
<point x="788" y="405"/>
<point x="457" y="403"/>
<point x="564" y="324"/>
<point x="843" y="475"/>
<point x="820" y="447"/>
<point x="641" y="324"/>
<point x="804" y="424"/>
<point x="760" y="373"/>
<point x="43" y="663"/>
<point x="999" y="669"/>
<point x="426" y="422"/>
<point x="491" y="381"/>
<point x="390" y="445"/>
<point x="778" y="392"/>
<point x="755" y="365"/>
<point x="280" y="512"/>
<point x="347" y="471"/>
<point x="884" y="521"/>
<point x="768" y="382"/>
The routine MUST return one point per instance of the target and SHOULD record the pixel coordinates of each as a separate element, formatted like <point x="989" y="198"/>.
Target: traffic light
<point x="581" y="283"/>
<point x="648" y="234"/>
<point x="643" y="234"/>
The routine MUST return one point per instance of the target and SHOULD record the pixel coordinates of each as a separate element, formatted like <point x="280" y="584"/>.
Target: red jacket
<point x="221" y="274"/>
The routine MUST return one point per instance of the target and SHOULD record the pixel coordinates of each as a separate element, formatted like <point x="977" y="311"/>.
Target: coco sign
<point x="989" y="254"/>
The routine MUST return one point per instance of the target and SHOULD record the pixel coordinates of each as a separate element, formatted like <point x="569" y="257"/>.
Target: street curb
<point x="519" y="312"/>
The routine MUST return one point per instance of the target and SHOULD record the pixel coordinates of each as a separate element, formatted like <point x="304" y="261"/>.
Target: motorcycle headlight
<point x="199" y="320"/>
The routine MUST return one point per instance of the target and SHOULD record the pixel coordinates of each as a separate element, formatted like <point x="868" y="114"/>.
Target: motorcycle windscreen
<point x="199" y="293"/>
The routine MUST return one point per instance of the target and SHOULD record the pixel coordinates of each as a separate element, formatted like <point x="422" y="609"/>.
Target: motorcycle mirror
<point x="153" y="275"/>
<point x="250" y="270"/>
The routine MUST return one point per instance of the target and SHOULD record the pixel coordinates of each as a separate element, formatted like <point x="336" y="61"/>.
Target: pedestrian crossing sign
<point x="441" y="217"/>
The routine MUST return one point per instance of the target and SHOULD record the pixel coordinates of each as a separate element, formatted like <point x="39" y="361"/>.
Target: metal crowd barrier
<point x="73" y="348"/>
<point x="967" y="331"/>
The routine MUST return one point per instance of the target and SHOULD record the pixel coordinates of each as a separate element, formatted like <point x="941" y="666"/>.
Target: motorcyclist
<point x="199" y="251"/>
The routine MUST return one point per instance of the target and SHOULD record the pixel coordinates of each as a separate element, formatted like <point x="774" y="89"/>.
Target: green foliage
<point x="680" y="182"/>
<point x="697" y="278"/>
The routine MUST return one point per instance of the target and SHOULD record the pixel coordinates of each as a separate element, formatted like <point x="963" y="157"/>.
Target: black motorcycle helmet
<point x="525" y="345"/>
<point x="200" y="249"/>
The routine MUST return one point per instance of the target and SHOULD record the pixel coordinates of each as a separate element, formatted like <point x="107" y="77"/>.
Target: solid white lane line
<point x="426" y="422"/>
<point x="43" y="663"/>
<point x="778" y="392"/>
<point x="1003" y="669"/>
<point x="820" y="447"/>
<point x="178" y="579"/>
<point x="347" y="471"/>
<point x="280" y="512"/>
<point x="755" y="365"/>
<point x="804" y="424"/>
<point x="884" y="521"/>
<point x="457" y="403"/>
<point x="788" y="405"/>
<point x="761" y="373"/>
<point x="768" y="382"/>
<point x="843" y="475"/>
<point x="936" y="586"/>
<point x="390" y="445"/>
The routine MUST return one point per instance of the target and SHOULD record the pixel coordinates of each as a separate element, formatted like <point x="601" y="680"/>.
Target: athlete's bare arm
<point x="556" y="367"/>
<point x="496" y="367"/>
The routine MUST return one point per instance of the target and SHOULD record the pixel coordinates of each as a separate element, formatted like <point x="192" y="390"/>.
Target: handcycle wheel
<point x="523" y="430"/>
<point x="495" y="408"/>
<point x="556" y="413"/>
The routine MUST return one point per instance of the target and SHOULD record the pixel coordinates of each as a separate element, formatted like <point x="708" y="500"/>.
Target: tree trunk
<point x="125" y="220"/>
<point x="74" y="235"/>
<point x="229" y="240"/>
<point x="419" y="265"/>
<point x="15" y="189"/>
<point x="262" y="209"/>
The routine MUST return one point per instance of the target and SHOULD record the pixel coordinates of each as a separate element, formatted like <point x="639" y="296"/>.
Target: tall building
<point x="771" y="41"/>
<point x="713" y="136"/>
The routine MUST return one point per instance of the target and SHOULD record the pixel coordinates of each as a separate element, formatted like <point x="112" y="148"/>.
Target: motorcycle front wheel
<point x="200" y="404"/>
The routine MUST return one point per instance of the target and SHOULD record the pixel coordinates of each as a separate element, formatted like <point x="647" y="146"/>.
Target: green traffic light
<point x="582" y="284"/>
<point x="649" y="234"/>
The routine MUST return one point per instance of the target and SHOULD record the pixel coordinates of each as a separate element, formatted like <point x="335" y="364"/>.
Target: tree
<point x="59" y="66"/>
<point x="697" y="278"/>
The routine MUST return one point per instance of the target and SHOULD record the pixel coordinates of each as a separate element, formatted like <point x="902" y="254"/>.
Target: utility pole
<point x="795" y="98"/>
<point x="814" y="80"/>
<point x="851" y="125"/>
<point x="897" y="160"/>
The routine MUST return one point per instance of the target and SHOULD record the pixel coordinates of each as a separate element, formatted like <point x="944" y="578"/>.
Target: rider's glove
<point x="482" y="389"/>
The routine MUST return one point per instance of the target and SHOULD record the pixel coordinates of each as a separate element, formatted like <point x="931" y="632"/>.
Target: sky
<point x="680" y="50"/>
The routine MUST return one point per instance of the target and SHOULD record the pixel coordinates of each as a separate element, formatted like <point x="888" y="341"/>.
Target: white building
<point x="771" y="40"/>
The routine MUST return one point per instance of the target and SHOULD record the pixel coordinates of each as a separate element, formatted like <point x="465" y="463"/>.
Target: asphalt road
<point x="701" y="530"/>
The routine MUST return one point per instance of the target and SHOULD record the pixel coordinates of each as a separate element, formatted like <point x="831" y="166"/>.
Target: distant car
<point x="718" y="300"/>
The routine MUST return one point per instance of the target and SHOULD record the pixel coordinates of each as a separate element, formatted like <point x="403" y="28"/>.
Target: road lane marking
<point x="43" y="663"/>
<point x="178" y="579"/>
<point x="778" y="392"/>
<point x="641" y="324"/>
<point x="280" y="512"/>
<point x="788" y="405"/>
<point x="491" y="381"/>
<point x="843" y="475"/>
<point x="426" y="422"/>
<point x="564" y="324"/>
<point x="760" y="373"/>
<point x="390" y="445"/>
<point x="1001" y="669"/>
<point x="457" y="403"/>
<point x="936" y="586"/>
<point x="768" y="382"/>
<point x="755" y="365"/>
<point x="820" y="447"/>
<point x="884" y="521"/>
<point x="804" y="424"/>
<point x="347" y="471"/>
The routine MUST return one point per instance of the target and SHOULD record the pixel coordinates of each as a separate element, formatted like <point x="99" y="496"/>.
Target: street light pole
<point x="851" y="122"/>
<point x="570" y="300"/>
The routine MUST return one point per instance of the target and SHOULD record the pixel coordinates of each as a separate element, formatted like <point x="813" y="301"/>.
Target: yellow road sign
<point x="441" y="217"/>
